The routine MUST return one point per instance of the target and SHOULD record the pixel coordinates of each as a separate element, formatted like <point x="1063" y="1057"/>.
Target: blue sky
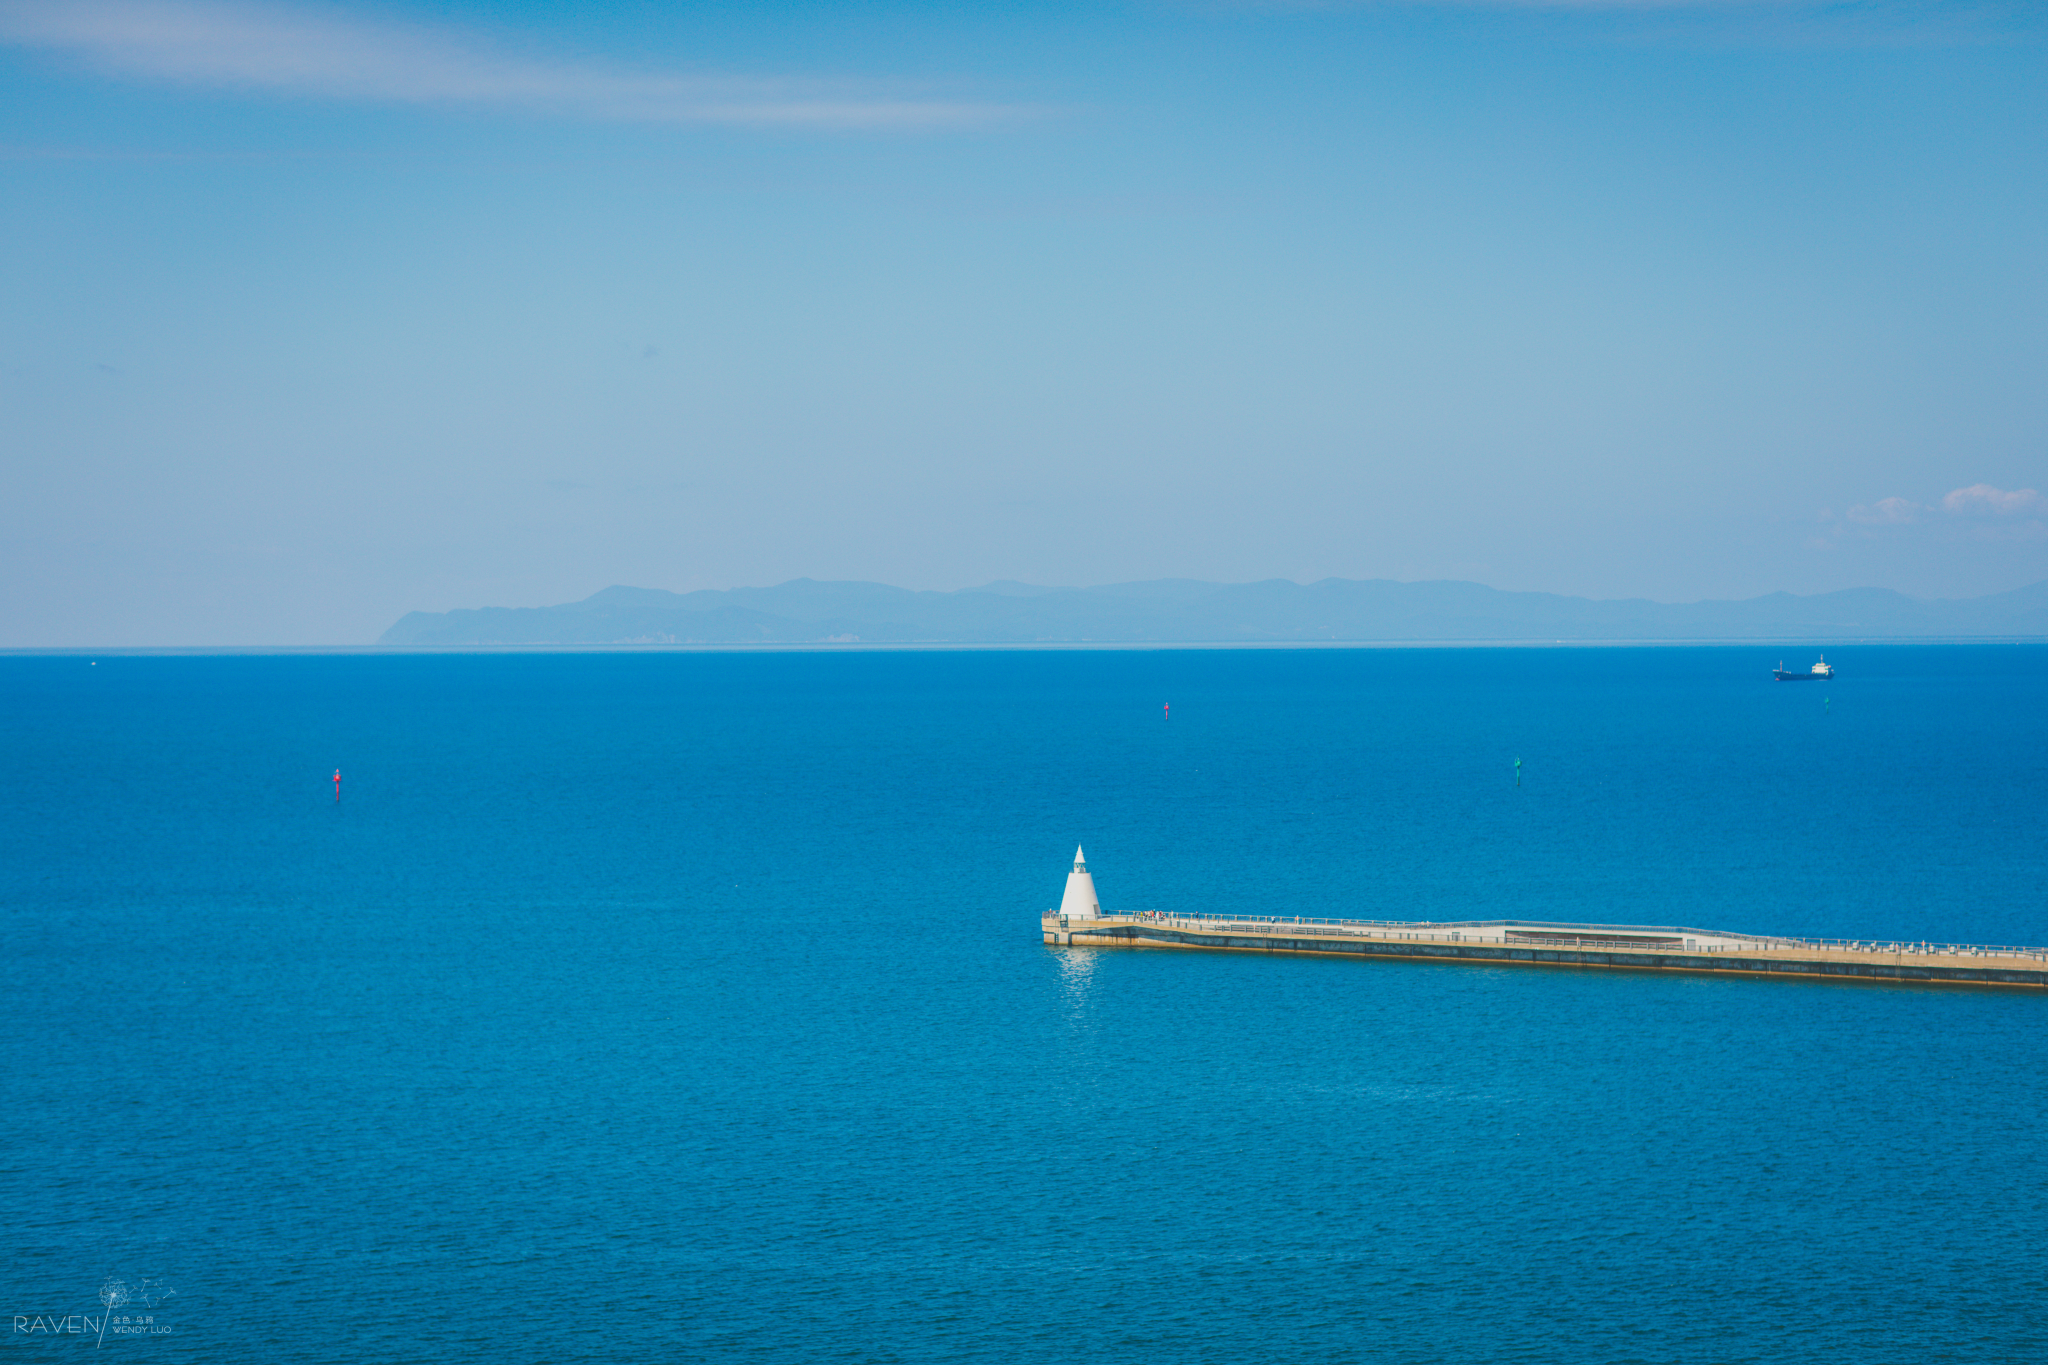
<point x="317" y="315"/>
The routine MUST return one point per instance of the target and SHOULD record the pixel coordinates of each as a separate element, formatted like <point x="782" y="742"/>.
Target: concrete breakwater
<point x="1548" y="944"/>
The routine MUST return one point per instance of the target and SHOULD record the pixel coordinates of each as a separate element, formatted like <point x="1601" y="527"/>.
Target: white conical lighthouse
<point x="1080" y="902"/>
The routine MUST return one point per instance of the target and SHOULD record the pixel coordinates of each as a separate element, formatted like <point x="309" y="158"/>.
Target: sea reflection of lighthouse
<point x="1080" y="902"/>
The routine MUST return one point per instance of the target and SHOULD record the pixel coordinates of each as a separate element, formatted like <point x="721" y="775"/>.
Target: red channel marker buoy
<point x="337" y="786"/>
<point x="1169" y="710"/>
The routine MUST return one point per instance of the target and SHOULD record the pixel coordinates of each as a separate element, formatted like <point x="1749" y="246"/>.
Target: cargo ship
<point x="1820" y="672"/>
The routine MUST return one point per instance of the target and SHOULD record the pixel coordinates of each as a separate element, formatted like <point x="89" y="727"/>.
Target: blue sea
<point x="691" y="1007"/>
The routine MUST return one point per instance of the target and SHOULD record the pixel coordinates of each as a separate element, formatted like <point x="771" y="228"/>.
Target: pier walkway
<point x="1544" y="944"/>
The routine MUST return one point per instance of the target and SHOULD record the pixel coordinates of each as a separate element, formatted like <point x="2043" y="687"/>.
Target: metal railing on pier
<point x="1550" y="936"/>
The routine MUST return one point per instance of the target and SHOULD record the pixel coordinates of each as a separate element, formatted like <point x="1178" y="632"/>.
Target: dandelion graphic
<point x="113" y="1294"/>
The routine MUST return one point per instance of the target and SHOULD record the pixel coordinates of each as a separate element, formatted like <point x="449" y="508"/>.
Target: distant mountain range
<point x="1183" y="611"/>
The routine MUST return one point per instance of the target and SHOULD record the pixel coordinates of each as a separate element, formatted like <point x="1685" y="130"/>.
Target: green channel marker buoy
<point x="1518" y="772"/>
<point x="1827" y="704"/>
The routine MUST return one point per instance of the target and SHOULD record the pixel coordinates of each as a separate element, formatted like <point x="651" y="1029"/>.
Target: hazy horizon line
<point x="1247" y="583"/>
<point x="1000" y="646"/>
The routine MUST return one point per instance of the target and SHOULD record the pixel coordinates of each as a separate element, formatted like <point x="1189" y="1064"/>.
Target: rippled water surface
<point x="691" y="1007"/>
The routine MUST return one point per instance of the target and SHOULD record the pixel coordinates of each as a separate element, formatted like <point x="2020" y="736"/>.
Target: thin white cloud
<point x="1980" y="511"/>
<point x="1982" y="500"/>
<point x="1770" y="23"/>
<point x="1707" y="6"/>
<point x="326" y="53"/>
<point x="1884" y="512"/>
<point x="1626" y="4"/>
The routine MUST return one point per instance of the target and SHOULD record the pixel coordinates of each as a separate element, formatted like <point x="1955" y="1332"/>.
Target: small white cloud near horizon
<point x="1884" y="512"/>
<point x="1982" y="500"/>
<point x="327" y="53"/>
<point x="1999" y="514"/>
